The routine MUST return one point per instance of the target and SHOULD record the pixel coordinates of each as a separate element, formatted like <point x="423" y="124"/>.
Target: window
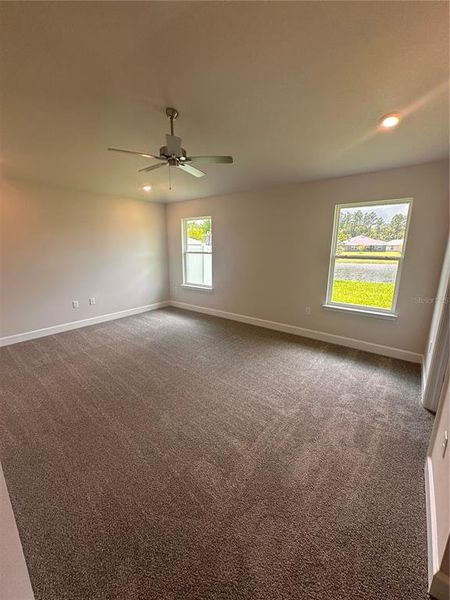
<point x="197" y="252"/>
<point x="367" y="252"/>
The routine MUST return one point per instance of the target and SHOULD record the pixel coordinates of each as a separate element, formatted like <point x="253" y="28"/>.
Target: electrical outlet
<point x="75" y="304"/>
<point x="91" y="301"/>
<point x="308" y="310"/>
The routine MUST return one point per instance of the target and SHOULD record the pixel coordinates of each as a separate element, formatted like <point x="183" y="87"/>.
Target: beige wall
<point x="271" y="252"/>
<point x="59" y="245"/>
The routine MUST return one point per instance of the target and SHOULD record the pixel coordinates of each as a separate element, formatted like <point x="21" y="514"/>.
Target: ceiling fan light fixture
<point x="390" y="121"/>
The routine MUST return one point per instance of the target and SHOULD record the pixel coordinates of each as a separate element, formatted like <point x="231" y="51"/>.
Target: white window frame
<point x="184" y="253"/>
<point x="358" y="308"/>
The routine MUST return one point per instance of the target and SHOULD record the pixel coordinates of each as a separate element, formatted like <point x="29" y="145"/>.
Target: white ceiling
<point x="293" y="90"/>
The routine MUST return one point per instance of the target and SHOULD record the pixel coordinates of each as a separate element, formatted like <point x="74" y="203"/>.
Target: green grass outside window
<point x="363" y="293"/>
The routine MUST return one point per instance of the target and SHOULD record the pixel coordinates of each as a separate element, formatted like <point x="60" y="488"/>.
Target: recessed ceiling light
<point x="147" y="188"/>
<point x="390" y="121"/>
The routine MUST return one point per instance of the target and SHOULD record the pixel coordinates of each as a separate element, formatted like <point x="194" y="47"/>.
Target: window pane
<point x="369" y="243"/>
<point x="373" y="230"/>
<point x="198" y="235"/>
<point x="199" y="269"/>
<point x="364" y="282"/>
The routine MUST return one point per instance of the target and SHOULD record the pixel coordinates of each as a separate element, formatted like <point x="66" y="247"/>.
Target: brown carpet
<point x="176" y="456"/>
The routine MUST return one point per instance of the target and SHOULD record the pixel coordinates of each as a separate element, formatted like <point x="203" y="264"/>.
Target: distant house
<point x="394" y="245"/>
<point x="365" y="243"/>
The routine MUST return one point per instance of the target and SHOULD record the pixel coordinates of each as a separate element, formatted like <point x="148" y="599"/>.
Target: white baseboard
<point x="284" y="327"/>
<point x="37" y="333"/>
<point x="308" y="333"/>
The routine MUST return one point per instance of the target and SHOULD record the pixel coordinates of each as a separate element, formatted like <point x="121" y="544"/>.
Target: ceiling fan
<point x="174" y="155"/>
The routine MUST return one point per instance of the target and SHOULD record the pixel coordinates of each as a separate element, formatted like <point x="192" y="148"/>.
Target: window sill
<point x="365" y="312"/>
<point x="202" y="288"/>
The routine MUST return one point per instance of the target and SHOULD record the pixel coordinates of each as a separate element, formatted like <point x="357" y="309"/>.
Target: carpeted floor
<point x="176" y="456"/>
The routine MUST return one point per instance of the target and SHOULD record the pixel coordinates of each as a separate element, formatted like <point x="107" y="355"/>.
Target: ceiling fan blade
<point x="211" y="159"/>
<point x="144" y="154"/>
<point x="191" y="170"/>
<point x="151" y="167"/>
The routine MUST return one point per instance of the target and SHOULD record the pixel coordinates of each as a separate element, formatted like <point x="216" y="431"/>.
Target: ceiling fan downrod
<point x="172" y="113"/>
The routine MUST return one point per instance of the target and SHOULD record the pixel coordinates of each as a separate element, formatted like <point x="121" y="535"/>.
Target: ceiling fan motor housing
<point x="173" y="161"/>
